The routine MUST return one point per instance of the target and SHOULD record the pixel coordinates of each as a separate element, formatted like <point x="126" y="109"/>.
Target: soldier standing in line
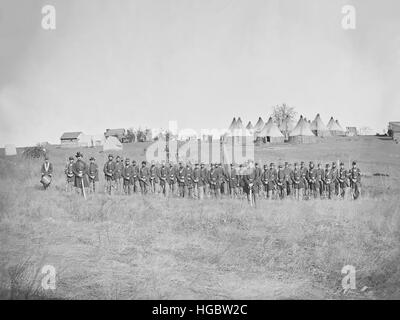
<point x="355" y="180"/>
<point x="297" y="183"/>
<point x="221" y="172"/>
<point x="257" y="184"/>
<point x="47" y="172"/>
<point x="189" y="180"/>
<point x="204" y="180"/>
<point x="250" y="180"/>
<point x="312" y="180"/>
<point x="335" y="180"/>
<point x="280" y="181"/>
<point x="233" y="181"/>
<point x="242" y="173"/>
<point x="172" y="180"/>
<point x="118" y="174"/>
<point x="342" y="179"/>
<point x="304" y="175"/>
<point x="214" y="179"/>
<point x="264" y="181"/>
<point x="109" y="169"/>
<point x="127" y="176"/>
<point x="181" y="175"/>
<point x="288" y="180"/>
<point x="163" y="178"/>
<point x="153" y="179"/>
<point x="329" y="181"/>
<point x="272" y="174"/>
<point x="135" y="177"/>
<point x="144" y="175"/>
<point x="69" y="175"/>
<point x="197" y="183"/>
<point x="80" y="170"/>
<point x="320" y="181"/>
<point x="93" y="174"/>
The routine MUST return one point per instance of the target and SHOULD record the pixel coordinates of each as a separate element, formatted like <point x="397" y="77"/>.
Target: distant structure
<point x="117" y="133"/>
<point x="72" y="139"/>
<point x="319" y="128"/>
<point x="394" y="130"/>
<point x="259" y="126"/>
<point x="302" y="132"/>
<point x="335" y="128"/>
<point x="10" y="150"/>
<point x="112" y="144"/>
<point x="271" y="133"/>
<point x="351" y="131"/>
<point x="286" y="127"/>
<point x="249" y="126"/>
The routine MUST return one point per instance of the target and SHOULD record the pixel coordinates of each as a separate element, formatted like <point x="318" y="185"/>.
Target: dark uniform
<point x="118" y="173"/>
<point x="234" y="181"/>
<point x="135" y="177"/>
<point x="312" y="180"/>
<point x="127" y="176"/>
<point x="288" y="180"/>
<point x="335" y="180"/>
<point x="214" y="180"/>
<point x="109" y="170"/>
<point x="264" y="181"/>
<point x="80" y="170"/>
<point x="144" y="175"/>
<point x="320" y="180"/>
<point x="257" y="183"/>
<point x="204" y="180"/>
<point x="281" y="182"/>
<point x="181" y="178"/>
<point x="329" y="184"/>
<point x="355" y="180"/>
<point x="153" y="179"/>
<point x="304" y="175"/>
<point x="343" y="180"/>
<point x="250" y="180"/>
<point x="272" y="175"/>
<point x="69" y="175"/>
<point x="172" y="180"/>
<point x="93" y="174"/>
<point x="163" y="174"/>
<point x="47" y="173"/>
<point x="197" y="182"/>
<point x="297" y="182"/>
<point x="189" y="181"/>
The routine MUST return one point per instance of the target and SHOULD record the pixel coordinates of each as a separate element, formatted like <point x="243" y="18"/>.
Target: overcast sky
<point x="125" y="63"/>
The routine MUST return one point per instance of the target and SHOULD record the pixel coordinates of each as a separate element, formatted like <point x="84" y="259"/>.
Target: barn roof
<point x="70" y="135"/>
<point x="114" y="132"/>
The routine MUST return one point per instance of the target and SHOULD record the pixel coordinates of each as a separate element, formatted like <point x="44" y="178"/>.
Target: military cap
<point x="302" y="162"/>
<point x="126" y="159"/>
<point x="333" y="164"/>
<point x="110" y="156"/>
<point x="256" y="163"/>
<point x="286" y="163"/>
<point x="265" y="166"/>
<point x="327" y="165"/>
<point x="342" y="164"/>
<point x="295" y="163"/>
<point x="144" y="162"/>
<point x="196" y="164"/>
<point x="134" y="161"/>
<point x="280" y="166"/>
<point x="354" y="163"/>
<point x="78" y="154"/>
<point x="71" y="158"/>
<point x="118" y="157"/>
<point x="92" y="158"/>
<point x="271" y="164"/>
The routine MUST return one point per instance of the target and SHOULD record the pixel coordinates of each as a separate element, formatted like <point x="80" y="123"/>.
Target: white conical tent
<point x="334" y="128"/>
<point x="112" y="143"/>
<point x="319" y="128"/>
<point x="264" y="131"/>
<point x="274" y="135"/>
<point x="340" y="127"/>
<point x="259" y="125"/>
<point x="233" y="124"/>
<point x="238" y="130"/>
<point x="302" y="132"/>
<point x="249" y="126"/>
<point x="239" y="124"/>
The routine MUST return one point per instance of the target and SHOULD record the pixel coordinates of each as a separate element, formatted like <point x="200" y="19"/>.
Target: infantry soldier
<point x="204" y="180"/>
<point x="329" y="186"/>
<point x="222" y="178"/>
<point x="153" y="179"/>
<point x="257" y="183"/>
<point x="135" y="177"/>
<point x="234" y="181"/>
<point x="304" y="175"/>
<point x="297" y="182"/>
<point x="242" y="172"/>
<point x="93" y="174"/>
<point x="312" y="180"/>
<point x="214" y="179"/>
<point x="144" y="174"/>
<point x="342" y="179"/>
<point x="355" y="180"/>
<point x="280" y="182"/>
<point x="181" y="175"/>
<point x="69" y="175"/>
<point x="320" y="180"/>
<point x="250" y="180"/>
<point x="47" y="172"/>
<point x="127" y="176"/>
<point x="189" y="181"/>
<point x="197" y="183"/>
<point x="163" y="177"/>
<point x="335" y="180"/>
<point x="109" y="169"/>
<point x="172" y="179"/>
<point x="80" y="170"/>
<point x="272" y="181"/>
<point x="118" y="173"/>
<point x="288" y="178"/>
<point x="265" y="180"/>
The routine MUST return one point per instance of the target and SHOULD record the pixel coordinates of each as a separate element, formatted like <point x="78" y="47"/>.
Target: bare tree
<point x="282" y="112"/>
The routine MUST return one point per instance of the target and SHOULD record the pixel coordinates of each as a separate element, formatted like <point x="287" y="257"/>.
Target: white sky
<point x="125" y="63"/>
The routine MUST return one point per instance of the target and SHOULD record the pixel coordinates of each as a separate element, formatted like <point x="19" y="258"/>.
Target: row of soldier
<point x="199" y="181"/>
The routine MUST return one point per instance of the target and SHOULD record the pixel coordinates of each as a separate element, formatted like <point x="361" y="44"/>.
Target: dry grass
<point x="149" y="248"/>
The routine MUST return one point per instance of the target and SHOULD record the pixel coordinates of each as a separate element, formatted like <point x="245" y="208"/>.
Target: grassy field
<point x="154" y="248"/>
